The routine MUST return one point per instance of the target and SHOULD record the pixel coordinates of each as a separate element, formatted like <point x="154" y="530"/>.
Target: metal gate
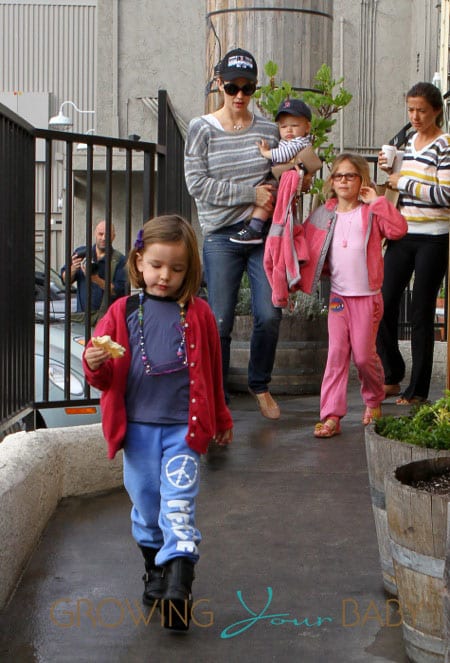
<point x="133" y="181"/>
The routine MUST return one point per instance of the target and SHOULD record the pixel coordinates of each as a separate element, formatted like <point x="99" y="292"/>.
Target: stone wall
<point x="36" y="471"/>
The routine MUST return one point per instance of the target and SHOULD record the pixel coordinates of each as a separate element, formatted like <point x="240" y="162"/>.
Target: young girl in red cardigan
<point x="162" y="402"/>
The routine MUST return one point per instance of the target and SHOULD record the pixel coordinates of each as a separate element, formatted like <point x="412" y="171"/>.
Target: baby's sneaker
<point x="247" y="236"/>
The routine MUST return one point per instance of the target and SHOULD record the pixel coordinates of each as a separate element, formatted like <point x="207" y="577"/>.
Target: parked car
<point x="56" y="290"/>
<point x="71" y="414"/>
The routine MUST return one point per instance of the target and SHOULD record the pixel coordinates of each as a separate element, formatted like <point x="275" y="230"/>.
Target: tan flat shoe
<point x="269" y="408"/>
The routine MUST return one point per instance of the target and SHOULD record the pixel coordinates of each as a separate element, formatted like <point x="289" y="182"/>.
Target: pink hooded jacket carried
<point x="285" y="247"/>
<point x="380" y="220"/>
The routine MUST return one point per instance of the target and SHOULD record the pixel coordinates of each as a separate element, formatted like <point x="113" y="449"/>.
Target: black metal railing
<point x="150" y="179"/>
<point x="16" y="266"/>
<point x="103" y="151"/>
<point x="171" y="182"/>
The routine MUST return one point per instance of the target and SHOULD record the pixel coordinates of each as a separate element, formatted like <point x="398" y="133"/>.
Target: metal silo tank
<point x="296" y="34"/>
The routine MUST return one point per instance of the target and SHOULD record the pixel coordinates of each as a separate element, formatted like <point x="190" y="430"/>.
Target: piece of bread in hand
<point x="106" y="343"/>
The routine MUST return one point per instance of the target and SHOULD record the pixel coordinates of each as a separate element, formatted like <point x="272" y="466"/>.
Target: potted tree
<point x="325" y="101"/>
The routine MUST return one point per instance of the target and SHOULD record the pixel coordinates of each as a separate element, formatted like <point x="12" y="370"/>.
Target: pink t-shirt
<point x="347" y="256"/>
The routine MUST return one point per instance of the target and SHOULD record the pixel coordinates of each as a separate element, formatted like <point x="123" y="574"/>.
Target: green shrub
<point x="308" y="307"/>
<point x="428" y="425"/>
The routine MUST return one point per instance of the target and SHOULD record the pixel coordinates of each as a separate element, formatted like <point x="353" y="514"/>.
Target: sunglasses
<point x="232" y="89"/>
<point x="338" y="177"/>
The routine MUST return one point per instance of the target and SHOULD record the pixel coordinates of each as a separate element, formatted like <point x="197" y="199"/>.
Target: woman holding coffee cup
<point x="394" y="158"/>
<point x="424" y="185"/>
<point x="389" y="152"/>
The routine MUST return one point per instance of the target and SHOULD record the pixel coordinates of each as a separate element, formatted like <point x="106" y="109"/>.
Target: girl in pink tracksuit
<point x="344" y="237"/>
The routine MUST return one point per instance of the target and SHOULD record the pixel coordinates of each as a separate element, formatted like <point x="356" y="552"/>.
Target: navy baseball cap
<point x="295" y="107"/>
<point x="238" y="64"/>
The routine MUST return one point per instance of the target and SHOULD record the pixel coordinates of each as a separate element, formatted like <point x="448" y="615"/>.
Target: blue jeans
<point x="224" y="263"/>
<point x="162" y="475"/>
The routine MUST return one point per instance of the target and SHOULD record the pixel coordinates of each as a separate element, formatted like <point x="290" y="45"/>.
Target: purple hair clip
<point x="139" y="243"/>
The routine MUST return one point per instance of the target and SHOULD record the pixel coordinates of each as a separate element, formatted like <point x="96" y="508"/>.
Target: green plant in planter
<point x="324" y="102"/>
<point x="307" y="307"/>
<point x="302" y="347"/>
<point x="427" y="426"/>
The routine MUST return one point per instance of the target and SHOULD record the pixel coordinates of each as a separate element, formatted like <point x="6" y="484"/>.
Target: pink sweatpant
<point x="352" y="331"/>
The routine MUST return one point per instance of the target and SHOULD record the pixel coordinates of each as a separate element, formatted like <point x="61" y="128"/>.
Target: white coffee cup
<point x="397" y="165"/>
<point x="389" y="152"/>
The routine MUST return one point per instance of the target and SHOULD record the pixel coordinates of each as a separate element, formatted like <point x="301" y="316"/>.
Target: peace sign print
<point x="181" y="471"/>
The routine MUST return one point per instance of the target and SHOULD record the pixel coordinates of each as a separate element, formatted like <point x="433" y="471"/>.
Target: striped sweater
<point x="288" y="149"/>
<point x="222" y="169"/>
<point x="424" y="186"/>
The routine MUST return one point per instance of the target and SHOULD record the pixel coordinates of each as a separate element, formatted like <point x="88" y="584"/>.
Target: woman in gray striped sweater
<point x="227" y="176"/>
<point x="424" y="185"/>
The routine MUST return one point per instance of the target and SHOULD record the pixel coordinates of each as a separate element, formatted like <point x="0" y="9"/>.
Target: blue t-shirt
<point x="161" y="397"/>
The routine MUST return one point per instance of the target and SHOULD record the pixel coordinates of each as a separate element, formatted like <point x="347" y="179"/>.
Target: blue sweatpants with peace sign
<point x="162" y="476"/>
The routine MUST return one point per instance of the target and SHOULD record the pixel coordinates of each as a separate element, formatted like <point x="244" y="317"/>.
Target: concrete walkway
<point x="289" y="567"/>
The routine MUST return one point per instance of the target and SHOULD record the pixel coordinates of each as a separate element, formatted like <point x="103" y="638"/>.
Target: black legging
<point x="425" y="256"/>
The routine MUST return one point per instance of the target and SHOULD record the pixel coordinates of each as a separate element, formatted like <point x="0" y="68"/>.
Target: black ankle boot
<point x="154" y="579"/>
<point x="177" y="600"/>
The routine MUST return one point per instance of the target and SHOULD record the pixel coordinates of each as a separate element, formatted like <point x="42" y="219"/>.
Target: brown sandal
<point x="370" y="414"/>
<point x="328" y="428"/>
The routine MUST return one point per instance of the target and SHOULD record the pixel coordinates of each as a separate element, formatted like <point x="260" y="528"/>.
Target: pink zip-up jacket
<point x="208" y="413"/>
<point x="285" y="248"/>
<point x="380" y="220"/>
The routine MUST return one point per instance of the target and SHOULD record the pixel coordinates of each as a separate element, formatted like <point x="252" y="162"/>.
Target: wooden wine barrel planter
<point x="300" y="360"/>
<point x="417" y="522"/>
<point x="447" y="598"/>
<point x="383" y="456"/>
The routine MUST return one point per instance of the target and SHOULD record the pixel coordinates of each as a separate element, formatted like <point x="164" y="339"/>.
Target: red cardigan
<point x="208" y="413"/>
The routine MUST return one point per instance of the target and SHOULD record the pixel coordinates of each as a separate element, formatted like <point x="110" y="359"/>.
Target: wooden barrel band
<point x="429" y="566"/>
<point x="424" y="642"/>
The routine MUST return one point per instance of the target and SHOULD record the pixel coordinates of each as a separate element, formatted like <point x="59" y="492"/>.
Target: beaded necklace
<point x="181" y="352"/>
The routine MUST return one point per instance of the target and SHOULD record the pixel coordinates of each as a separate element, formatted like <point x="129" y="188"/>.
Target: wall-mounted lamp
<point x="62" y="122"/>
<point x="83" y="146"/>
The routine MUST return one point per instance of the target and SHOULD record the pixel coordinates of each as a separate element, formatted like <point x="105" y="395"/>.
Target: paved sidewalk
<point x="289" y="567"/>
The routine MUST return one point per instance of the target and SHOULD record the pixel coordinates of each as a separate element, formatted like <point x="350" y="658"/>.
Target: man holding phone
<point x="79" y="272"/>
